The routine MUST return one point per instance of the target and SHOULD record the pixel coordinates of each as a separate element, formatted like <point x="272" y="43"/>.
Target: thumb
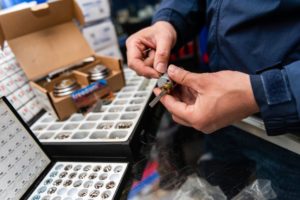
<point x="183" y="77"/>
<point x="162" y="54"/>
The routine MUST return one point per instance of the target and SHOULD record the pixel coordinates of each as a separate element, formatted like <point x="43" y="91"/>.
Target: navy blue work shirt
<point x="249" y="36"/>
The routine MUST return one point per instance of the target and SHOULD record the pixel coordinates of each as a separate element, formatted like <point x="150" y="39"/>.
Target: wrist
<point x="252" y="103"/>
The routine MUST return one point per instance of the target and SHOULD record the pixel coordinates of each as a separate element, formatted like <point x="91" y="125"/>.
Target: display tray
<point x="83" y="180"/>
<point x="112" y="131"/>
<point x="27" y="172"/>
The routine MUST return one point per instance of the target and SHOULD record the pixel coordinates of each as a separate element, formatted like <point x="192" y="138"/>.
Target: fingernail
<point x="172" y="69"/>
<point x="161" y="67"/>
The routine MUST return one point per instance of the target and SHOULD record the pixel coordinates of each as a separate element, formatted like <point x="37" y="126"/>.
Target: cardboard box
<point x="45" y="40"/>
<point x="100" y="35"/>
<point x="94" y="10"/>
<point x="116" y="78"/>
<point x="111" y="51"/>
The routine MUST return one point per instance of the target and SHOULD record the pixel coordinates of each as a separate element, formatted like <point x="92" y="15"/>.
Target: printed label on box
<point x="10" y="84"/>
<point x="112" y="51"/>
<point x="94" y="10"/>
<point x="34" y="107"/>
<point x="20" y="79"/>
<point x="21" y="95"/>
<point x="101" y="35"/>
<point x="28" y="91"/>
<point x="25" y="113"/>
<point x="4" y="90"/>
<point x="2" y="72"/>
<point x="15" y="101"/>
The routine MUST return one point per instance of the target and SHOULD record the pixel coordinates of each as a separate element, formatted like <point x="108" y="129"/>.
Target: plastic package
<point x="196" y="188"/>
<point x="259" y="190"/>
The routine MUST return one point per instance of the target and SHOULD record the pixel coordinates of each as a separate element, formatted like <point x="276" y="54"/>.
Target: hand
<point x="217" y="99"/>
<point x="160" y="37"/>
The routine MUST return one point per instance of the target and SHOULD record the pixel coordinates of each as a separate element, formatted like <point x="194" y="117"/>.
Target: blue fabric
<point x="247" y="36"/>
<point x="275" y="87"/>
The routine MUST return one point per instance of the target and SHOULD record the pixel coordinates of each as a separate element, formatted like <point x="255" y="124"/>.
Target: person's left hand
<point x="209" y="101"/>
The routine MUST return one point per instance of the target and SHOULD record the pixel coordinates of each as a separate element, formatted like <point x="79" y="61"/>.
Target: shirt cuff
<point x="276" y="103"/>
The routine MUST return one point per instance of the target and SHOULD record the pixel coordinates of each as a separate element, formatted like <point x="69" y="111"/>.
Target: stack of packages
<point x="15" y="86"/>
<point x="99" y="30"/>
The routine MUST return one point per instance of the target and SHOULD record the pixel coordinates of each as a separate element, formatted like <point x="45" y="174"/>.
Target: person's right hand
<point x="160" y="37"/>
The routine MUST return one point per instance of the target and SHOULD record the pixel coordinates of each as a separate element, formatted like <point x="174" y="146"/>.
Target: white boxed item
<point x="27" y="172"/>
<point x="15" y="100"/>
<point x="2" y="72"/>
<point x="25" y="113"/>
<point x="14" y="84"/>
<point x="100" y="35"/>
<point x="94" y="10"/>
<point x="34" y="106"/>
<point x="21" y="94"/>
<point x="20" y="79"/>
<point x="10" y="84"/>
<point x="5" y="87"/>
<point x="112" y="51"/>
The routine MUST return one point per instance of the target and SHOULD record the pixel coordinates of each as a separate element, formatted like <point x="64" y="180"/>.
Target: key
<point x="157" y="98"/>
<point x="166" y="86"/>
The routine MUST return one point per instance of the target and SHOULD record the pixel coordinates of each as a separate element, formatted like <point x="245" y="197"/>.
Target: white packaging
<point x="4" y="91"/>
<point x="25" y="113"/>
<point x="94" y="10"/>
<point x="34" y="106"/>
<point x="112" y="51"/>
<point x="13" y="65"/>
<point x="2" y="72"/>
<point x="21" y="95"/>
<point x="7" y="86"/>
<point x="14" y="100"/>
<point x="20" y="78"/>
<point x="100" y="35"/>
<point x="28" y="92"/>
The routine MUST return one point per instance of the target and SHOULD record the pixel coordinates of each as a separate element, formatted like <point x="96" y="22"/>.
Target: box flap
<point x="39" y="17"/>
<point x="45" y="38"/>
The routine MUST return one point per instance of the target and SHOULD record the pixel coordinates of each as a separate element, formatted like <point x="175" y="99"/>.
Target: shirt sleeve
<point x="277" y="92"/>
<point x="187" y="16"/>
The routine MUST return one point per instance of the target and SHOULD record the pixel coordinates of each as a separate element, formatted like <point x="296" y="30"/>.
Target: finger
<point x="183" y="77"/>
<point x="162" y="54"/>
<point x="141" y="67"/>
<point x="143" y="70"/>
<point x="149" y="60"/>
<point x="174" y="106"/>
<point x="185" y="94"/>
<point x="180" y="121"/>
<point x="136" y="61"/>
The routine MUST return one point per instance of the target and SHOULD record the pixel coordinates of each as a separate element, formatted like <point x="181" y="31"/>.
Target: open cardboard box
<point x="46" y="40"/>
<point x="113" y="80"/>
